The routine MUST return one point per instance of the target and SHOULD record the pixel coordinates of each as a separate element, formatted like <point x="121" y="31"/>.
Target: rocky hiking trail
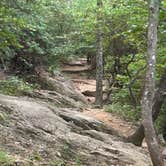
<point x="58" y="126"/>
<point x="78" y="71"/>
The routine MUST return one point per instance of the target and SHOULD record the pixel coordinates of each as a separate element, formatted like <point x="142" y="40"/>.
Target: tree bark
<point x="99" y="58"/>
<point x="158" y="101"/>
<point x="149" y="91"/>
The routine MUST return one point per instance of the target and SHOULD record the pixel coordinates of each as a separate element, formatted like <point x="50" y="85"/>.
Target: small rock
<point x="164" y="153"/>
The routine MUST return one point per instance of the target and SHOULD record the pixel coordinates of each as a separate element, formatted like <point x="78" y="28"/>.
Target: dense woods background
<point x="46" y="33"/>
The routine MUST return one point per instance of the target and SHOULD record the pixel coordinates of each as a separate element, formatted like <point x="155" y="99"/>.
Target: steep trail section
<point x="79" y="72"/>
<point x="87" y="87"/>
<point x="83" y="77"/>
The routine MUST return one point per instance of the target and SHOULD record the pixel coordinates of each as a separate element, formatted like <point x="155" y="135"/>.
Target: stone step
<point x="70" y="69"/>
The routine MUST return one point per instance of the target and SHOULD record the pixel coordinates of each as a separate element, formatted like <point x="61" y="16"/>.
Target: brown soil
<point x="124" y="127"/>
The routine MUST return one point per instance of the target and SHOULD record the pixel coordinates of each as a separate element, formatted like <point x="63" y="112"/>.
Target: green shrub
<point x="15" y="86"/>
<point x="122" y="95"/>
<point x="161" y="120"/>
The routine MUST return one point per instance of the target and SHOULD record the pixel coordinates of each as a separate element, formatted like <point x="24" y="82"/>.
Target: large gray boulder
<point x="39" y="134"/>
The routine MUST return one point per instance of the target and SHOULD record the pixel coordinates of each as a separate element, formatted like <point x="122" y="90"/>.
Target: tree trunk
<point x="99" y="58"/>
<point x="148" y="95"/>
<point x="159" y="99"/>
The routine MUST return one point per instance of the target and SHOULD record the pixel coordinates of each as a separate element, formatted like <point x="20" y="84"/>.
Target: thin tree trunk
<point x="148" y="95"/>
<point x="99" y="58"/>
<point x="159" y="99"/>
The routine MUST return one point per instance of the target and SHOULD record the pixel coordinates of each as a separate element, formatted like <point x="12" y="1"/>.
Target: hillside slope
<point x="31" y="127"/>
<point x="49" y="128"/>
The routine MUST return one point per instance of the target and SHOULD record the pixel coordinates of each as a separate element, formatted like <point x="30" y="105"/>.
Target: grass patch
<point x="5" y="159"/>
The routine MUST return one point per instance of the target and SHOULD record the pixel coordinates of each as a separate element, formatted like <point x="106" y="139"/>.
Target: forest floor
<point x="80" y="73"/>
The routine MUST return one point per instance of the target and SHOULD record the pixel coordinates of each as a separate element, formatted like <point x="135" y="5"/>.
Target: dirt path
<point x="126" y="128"/>
<point x="77" y="71"/>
